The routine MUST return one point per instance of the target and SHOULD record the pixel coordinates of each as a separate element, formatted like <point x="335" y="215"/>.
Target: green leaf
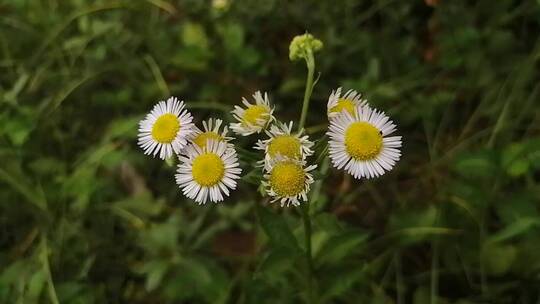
<point x="35" y="286"/>
<point x="421" y="296"/>
<point x="477" y="165"/>
<point x="278" y="260"/>
<point x="122" y="128"/>
<point x="341" y="246"/>
<point x="163" y="236"/>
<point x="339" y="282"/>
<point x="518" y="168"/>
<point x="232" y="35"/>
<point x="12" y="174"/>
<point x="498" y="258"/>
<point x="48" y="166"/>
<point x="517" y="206"/>
<point x="156" y="271"/>
<point x="69" y="291"/>
<point x="519" y="158"/>
<point x="18" y="126"/>
<point x="277" y="229"/>
<point x="11" y="96"/>
<point x="414" y="218"/>
<point x="521" y="226"/>
<point x="193" y="34"/>
<point x="197" y="277"/>
<point x="191" y="58"/>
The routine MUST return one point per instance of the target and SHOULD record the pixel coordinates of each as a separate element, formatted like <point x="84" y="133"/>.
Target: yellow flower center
<point x="254" y="113"/>
<point x="165" y="128"/>
<point x="343" y="104"/>
<point x="285" y="145"/>
<point x="201" y="139"/>
<point x="207" y="169"/>
<point x="287" y="179"/>
<point x="363" y="141"/>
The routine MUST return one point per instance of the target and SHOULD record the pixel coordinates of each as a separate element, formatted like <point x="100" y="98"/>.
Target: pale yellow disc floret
<point x="254" y="113"/>
<point x="285" y="145"/>
<point x="201" y="139"/>
<point x="208" y="169"/>
<point x="343" y="104"/>
<point x="287" y="179"/>
<point x="165" y="128"/>
<point x="363" y="141"/>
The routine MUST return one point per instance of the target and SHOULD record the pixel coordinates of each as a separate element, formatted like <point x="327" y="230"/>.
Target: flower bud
<point x="301" y="44"/>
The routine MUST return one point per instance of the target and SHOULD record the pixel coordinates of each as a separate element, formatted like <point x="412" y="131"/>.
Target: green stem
<point x="309" y="257"/>
<point x="310" y="62"/>
<point x="399" y="279"/>
<point x="46" y="267"/>
<point x="434" y="288"/>
<point x="434" y="272"/>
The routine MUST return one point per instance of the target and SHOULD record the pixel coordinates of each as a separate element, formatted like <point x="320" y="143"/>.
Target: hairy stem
<point x="309" y="258"/>
<point x="399" y="279"/>
<point x="434" y="272"/>
<point x="310" y="62"/>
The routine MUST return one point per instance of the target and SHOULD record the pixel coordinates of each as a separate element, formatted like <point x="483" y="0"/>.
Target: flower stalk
<point x="309" y="256"/>
<point x="305" y="49"/>
<point x="310" y="63"/>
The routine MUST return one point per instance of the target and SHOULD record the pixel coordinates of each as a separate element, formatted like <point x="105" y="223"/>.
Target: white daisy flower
<point x="255" y="117"/>
<point x="211" y="132"/>
<point x="166" y="129"/>
<point x="359" y="142"/>
<point x="284" y="142"/>
<point x="347" y="102"/>
<point x="287" y="180"/>
<point x="208" y="173"/>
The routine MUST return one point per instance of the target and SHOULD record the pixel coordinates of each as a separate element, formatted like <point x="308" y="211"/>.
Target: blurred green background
<point x="83" y="210"/>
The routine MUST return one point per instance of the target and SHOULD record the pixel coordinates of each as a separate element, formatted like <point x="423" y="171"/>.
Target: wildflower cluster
<point x="208" y="163"/>
<point x="208" y="168"/>
<point x="287" y="178"/>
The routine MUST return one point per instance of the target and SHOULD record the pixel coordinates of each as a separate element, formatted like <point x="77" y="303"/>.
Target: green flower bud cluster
<point x="302" y="44"/>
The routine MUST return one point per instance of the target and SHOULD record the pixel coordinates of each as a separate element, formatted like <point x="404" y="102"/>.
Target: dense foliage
<point x="85" y="216"/>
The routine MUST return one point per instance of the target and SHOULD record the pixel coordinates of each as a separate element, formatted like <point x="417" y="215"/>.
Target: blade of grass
<point x="164" y="5"/>
<point x="158" y="76"/>
<point x="59" y="29"/>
